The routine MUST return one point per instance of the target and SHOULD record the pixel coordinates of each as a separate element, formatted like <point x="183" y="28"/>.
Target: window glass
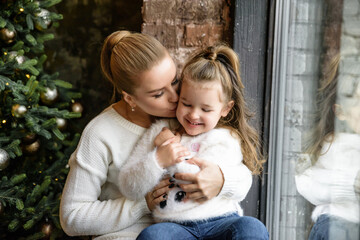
<point x="314" y="147"/>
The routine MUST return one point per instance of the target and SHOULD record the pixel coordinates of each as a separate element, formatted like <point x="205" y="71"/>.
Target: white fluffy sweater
<point x="331" y="183"/>
<point x="142" y="172"/>
<point x="91" y="202"/>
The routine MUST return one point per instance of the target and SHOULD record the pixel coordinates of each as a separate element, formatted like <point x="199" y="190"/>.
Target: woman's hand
<point x="205" y="184"/>
<point x="158" y="194"/>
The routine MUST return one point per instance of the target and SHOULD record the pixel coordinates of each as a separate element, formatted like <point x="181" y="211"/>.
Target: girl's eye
<point x="176" y="81"/>
<point x="159" y="94"/>
<point x="206" y="110"/>
<point x="186" y="105"/>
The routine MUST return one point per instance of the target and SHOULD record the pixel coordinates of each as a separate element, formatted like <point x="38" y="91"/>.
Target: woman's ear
<point x="339" y="112"/>
<point x="129" y="99"/>
<point x="226" y="109"/>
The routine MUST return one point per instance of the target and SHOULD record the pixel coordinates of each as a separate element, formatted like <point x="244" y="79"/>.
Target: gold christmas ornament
<point x="29" y="138"/>
<point x="49" y="96"/>
<point x="77" y="107"/>
<point x="18" y="110"/>
<point x="7" y="36"/>
<point x="61" y="123"/>
<point x="46" y="229"/>
<point x="4" y="159"/>
<point x="32" y="148"/>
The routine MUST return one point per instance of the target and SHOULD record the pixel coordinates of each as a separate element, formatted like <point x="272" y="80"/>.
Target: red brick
<point x="202" y="35"/>
<point x="165" y="33"/>
<point x="158" y="10"/>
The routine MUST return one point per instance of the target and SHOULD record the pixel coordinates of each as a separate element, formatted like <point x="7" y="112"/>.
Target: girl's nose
<point x="193" y="114"/>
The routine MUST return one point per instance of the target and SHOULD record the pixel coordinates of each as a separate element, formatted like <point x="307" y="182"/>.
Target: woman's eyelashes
<point x="159" y="94"/>
<point x="176" y="81"/>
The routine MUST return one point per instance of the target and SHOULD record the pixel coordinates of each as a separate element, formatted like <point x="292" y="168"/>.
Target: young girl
<point x="144" y="74"/>
<point x="213" y="121"/>
<point x="329" y="175"/>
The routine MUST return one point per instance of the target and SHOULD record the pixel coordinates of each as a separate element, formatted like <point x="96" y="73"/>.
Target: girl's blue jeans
<point x="226" y="227"/>
<point x="334" y="228"/>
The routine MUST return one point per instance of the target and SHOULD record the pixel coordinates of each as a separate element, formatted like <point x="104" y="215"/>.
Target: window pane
<point x="314" y="152"/>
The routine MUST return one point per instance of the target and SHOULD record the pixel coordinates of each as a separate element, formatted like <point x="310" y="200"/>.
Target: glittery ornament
<point x="44" y="22"/>
<point x="49" y="96"/>
<point x="32" y="148"/>
<point x="18" y="110"/>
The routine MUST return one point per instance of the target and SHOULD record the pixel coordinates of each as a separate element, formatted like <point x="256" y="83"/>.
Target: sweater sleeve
<point x="141" y="172"/>
<point x="81" y="210"/>
<point x="322" y="186"/>
<point x="221" y="148"/>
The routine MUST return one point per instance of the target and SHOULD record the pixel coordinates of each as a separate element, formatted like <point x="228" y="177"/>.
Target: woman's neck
<point x="137" y="117"/>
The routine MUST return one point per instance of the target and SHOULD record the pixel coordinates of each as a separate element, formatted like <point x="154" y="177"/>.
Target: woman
<point x="142" y="71"/>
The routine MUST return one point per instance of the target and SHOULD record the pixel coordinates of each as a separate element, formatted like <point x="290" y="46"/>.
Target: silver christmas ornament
<point x="4" y="159"/>
<point x="49" y="96"/>
<point x="14" y="55"/>
<point x="45" y="18"/>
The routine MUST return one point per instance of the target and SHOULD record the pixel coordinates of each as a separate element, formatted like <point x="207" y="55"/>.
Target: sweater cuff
<point x="154" y="163"/>
<point x="230" y="182"/>
<point x="343" y="186"/>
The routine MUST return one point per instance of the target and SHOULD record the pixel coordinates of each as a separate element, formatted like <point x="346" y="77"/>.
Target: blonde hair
<point x="325" y="116"/>
<point x="221" y="63"/>
<point x="125" y="55"/>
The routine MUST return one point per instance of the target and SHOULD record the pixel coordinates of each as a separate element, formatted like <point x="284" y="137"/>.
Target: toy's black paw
<point x="180" y="196"/>
<point x="163" y="204"/>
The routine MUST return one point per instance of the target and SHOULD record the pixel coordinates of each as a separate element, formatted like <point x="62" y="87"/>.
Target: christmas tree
<point x="35" y="128"/>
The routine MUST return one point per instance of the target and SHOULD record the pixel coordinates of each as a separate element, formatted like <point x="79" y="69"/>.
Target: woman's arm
<point x="322" y="186"/>
<point x="82" y="212"/>
<point x="222" y="171"/>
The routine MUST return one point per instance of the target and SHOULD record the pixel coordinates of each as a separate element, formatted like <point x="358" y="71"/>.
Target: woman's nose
<point x="174" y="97"/>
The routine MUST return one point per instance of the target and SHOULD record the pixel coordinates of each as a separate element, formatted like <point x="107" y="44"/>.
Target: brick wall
<point x="184" y="25"/>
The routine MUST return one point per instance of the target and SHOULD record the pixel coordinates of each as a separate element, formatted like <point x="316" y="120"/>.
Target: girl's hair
<point x="324" y="116"/>
<point x="125" y="55"/>
<point x="221" y="63"/>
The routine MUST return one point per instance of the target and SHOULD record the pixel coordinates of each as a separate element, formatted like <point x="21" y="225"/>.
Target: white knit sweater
<point x="142" y="172"/>
<point x="91" y="203"/>
<point x="331" y="182"/>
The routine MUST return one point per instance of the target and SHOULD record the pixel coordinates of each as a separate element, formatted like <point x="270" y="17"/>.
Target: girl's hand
<point x="205" y="184"/>
<point x="158" y="194"/>
<point x="170" y="153"/>
<point x="165" y="135"/>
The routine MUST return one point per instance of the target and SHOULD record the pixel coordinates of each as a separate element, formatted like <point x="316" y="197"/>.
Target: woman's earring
<point x="132" y="109"/>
